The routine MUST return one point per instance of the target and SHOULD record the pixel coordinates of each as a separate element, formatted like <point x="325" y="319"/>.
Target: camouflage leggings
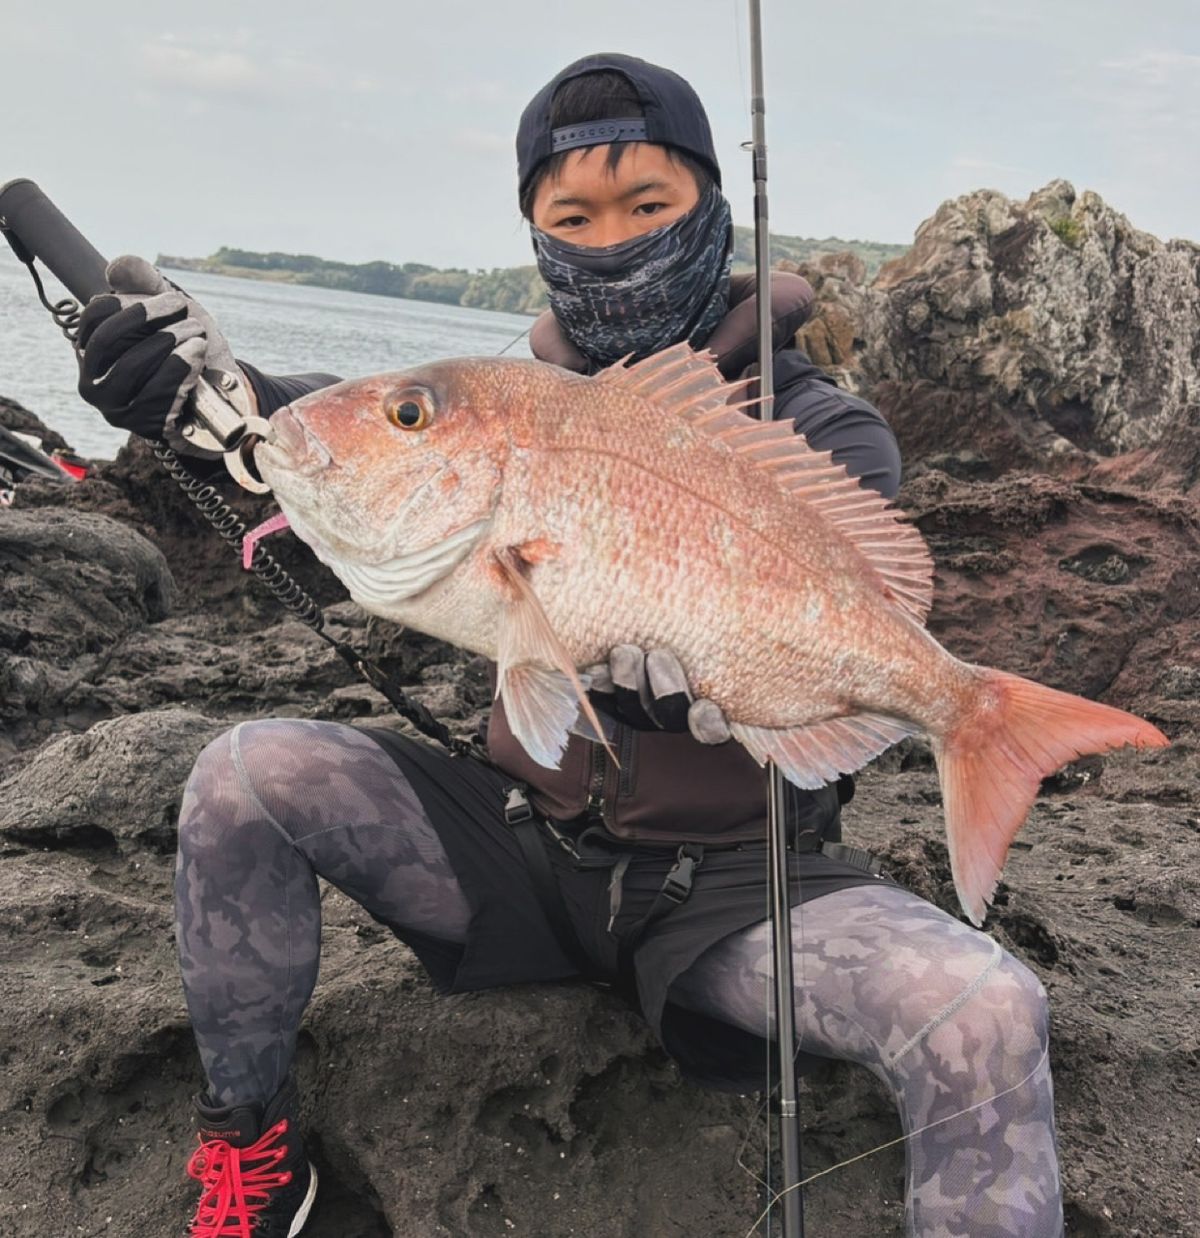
<point x="954" y="1026"/>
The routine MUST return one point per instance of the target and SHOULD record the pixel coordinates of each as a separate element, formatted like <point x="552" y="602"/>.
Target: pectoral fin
<point x="542" y="692"/>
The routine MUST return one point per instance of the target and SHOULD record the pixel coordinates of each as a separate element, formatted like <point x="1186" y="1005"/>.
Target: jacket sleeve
<point x="273" y="391"/>
<point x="833" y="420"/>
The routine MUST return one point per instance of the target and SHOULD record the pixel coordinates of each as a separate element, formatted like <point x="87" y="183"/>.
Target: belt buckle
<point x="517" y="807"/>
<point x="678" y="884"/>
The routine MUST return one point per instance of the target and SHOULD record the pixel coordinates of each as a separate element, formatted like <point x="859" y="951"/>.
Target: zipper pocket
<point x="595" y="798"/>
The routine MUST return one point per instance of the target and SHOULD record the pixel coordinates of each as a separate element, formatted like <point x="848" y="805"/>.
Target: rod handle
<point x="46" y="233"/>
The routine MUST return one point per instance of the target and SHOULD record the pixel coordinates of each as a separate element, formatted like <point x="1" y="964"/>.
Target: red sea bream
<point x="539" y="517"/>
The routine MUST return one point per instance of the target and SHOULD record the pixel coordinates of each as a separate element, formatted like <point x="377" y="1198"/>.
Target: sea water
<point x="281" y="328"/>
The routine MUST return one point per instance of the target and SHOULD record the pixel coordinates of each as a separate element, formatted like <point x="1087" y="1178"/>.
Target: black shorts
<point x="509" y="940"/>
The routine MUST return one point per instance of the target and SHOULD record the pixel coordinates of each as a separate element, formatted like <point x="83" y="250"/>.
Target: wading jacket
<point x="669" y="788"/>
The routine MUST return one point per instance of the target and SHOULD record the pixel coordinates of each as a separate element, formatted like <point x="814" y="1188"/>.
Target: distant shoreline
<point x="513" y="290"/>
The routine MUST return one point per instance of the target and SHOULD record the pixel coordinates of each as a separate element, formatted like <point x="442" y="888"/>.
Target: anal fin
<point x="811" y="756"/>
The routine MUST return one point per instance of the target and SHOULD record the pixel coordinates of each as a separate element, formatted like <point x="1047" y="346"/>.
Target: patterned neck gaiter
<point x="644" y="294"/>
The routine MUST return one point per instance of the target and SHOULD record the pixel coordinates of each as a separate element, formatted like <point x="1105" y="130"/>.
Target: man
<point x="659" y="887"/>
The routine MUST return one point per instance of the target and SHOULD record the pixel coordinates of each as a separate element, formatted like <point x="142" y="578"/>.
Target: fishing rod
<point x="792" y="1194"/>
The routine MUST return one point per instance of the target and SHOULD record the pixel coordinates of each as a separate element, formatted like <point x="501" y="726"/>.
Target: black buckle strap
<point x="519" y="815"/>
<point x="675" y="889"/>
<point x="678" y="883"/>
<point x="517" y="807"/>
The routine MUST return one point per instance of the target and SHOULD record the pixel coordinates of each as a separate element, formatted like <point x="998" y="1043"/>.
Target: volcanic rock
<point x="14" y="416"/>
<point x="1081" y="331"/>
<point x="117" y="785"/>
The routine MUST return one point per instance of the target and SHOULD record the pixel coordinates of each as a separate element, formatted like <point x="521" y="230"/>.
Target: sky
<point x="362" y="130"/>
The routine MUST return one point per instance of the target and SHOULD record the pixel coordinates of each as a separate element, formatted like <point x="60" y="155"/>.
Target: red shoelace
<point x="236" y="1189"/>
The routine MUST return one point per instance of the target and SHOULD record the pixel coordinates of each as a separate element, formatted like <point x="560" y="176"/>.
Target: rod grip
<point x="46" y="233"/>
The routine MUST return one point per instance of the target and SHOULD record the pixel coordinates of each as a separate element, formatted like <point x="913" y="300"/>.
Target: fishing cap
<point x="672" y="116"/>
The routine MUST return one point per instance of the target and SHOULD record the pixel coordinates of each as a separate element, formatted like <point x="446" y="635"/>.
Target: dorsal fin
<point x="688" y="383"/>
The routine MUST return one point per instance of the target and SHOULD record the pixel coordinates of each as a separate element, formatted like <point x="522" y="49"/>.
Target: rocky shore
<point x="1040" y="363"/>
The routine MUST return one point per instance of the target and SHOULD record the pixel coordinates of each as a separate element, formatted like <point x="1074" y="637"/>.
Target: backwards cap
<point x="673" y="116"/>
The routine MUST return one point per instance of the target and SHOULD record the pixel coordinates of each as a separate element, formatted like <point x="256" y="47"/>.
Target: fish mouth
<point x="405" y="575"/>
<point x="292" y="445"/>
<point x="376" y="575"/>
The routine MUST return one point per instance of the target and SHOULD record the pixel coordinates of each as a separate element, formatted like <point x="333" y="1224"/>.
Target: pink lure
<point x="277" y="522"/>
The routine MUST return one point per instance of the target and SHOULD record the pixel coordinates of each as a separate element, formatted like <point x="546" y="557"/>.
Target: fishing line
<point x="891" y="1143"/>
<point x="517" y="340"/>
<point x="737" y="42"/>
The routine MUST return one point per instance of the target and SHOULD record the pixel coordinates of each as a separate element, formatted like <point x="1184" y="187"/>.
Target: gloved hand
<point x="649" y="691"/>
<point x="141" y="349"/>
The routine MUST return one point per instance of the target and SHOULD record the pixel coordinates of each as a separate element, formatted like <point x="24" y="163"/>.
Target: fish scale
<point x="703" y="569"/>
<point x="541" y="518"/>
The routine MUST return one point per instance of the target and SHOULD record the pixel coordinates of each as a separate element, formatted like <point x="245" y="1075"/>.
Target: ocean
<point x="281" y="328"/>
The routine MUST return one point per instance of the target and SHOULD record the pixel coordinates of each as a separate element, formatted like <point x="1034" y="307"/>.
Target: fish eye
<point x="413" y="410"/>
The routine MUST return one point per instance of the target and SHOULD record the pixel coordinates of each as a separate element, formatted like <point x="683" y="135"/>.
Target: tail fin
<point x="991" y="763"/>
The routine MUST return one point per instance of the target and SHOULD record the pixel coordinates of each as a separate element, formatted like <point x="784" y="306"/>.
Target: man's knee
<point x="1005" y="1024"/>
<point x="223" y="791"/>
<point x="1025" y="996"/>
<point x="998" y="1023"/>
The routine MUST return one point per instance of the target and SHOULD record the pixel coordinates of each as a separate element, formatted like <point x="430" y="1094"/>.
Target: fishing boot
<point x="256" y="1180"/>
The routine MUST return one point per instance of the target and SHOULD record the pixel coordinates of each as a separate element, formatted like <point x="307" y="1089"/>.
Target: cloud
<point x="1155" y="88"/>
<point x="206" y="72"/>
<point x="248" y="71"/>
<point x="1148" y="105"/>
<point x="478" y="91"/>
<point x="1155" y="68"/>
<point x="999" y="15"/>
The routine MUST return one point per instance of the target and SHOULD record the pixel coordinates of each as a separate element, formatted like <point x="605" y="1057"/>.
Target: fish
<point x="540" y="517"/>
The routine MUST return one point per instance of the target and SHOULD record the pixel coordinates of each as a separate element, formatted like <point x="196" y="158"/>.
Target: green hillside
<point x="518" y="290"/>
<point x="806" y="248"/>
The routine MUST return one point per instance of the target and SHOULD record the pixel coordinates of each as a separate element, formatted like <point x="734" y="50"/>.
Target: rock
<point x="1056" y="311"/>
<point x="208" y="572"/>
<point x="1079" y="586"/>
<point x="75" y="582"/>
<point x="831" y="335"/>
<point x="14" y="416"/>
<point x="119" y="785"/>
<point x="73" y="585"/>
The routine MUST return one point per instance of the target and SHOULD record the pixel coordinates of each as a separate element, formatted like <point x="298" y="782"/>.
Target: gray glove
<point x="141" y="349"/>
<point x="648" y="691"/>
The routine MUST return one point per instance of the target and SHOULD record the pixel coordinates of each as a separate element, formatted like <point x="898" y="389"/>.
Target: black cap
<point x="673" y="116"/>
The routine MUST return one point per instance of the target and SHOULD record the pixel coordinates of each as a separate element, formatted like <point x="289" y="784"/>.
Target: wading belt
<point x="531" y="833"/>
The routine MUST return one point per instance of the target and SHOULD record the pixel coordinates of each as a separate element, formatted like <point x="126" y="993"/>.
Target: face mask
<point x="644" y="294"/>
